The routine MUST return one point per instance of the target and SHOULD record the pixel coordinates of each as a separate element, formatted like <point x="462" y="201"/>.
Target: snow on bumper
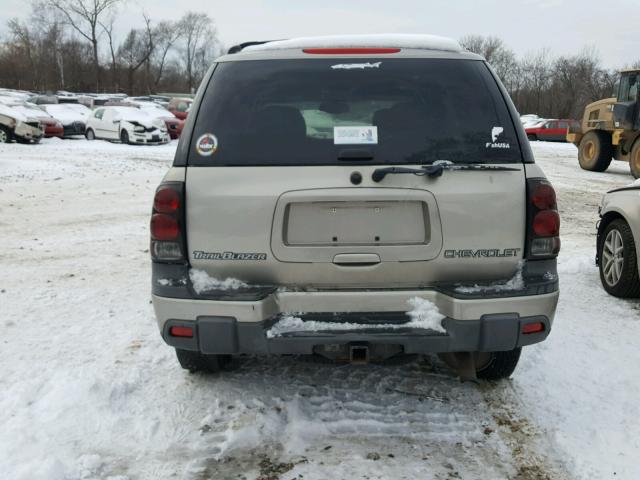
<point x="226" y="327"/>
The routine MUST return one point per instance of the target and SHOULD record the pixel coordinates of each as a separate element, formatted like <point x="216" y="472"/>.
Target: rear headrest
<point x="279" y="120"/>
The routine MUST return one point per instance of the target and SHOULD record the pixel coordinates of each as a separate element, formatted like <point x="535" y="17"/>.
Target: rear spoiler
<point x="238" y="48"/>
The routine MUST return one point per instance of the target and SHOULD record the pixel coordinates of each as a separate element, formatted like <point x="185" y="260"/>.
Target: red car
<point x="550" y="130"/>
<point x="174" y="127"/>
<point x="180" y="107"/>
<point x="52" y="127"/>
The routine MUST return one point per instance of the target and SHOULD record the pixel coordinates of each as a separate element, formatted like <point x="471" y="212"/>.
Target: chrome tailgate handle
<point x="356" y="259"/>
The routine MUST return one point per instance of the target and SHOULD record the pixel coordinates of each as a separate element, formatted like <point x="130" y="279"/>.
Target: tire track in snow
<point x="532" y="450"/>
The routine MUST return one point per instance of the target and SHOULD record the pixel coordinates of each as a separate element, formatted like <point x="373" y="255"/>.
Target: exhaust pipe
<point x="358" y="354"/>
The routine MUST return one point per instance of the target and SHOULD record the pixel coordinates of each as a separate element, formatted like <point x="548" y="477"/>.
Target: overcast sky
<point x="565" y="26"/>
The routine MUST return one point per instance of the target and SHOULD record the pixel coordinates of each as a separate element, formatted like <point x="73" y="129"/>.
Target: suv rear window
<point x="401" y="111"/>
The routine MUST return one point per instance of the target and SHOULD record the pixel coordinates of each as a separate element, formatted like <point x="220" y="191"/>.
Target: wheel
<point x="124" y="136"/>
<point x="634" y="160"/>
<point x="497" y="365"/>
<point x="618" y="261"/>
<point x="532" y="137"/>
<point x="5" y="134"/>
<point x="595" y="151"/>
<point x="199" y="362"/>
<point x="89" y="134"/>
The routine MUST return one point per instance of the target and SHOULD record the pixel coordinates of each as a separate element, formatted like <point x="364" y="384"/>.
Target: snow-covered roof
<point x="12" y="113"/>
<point x="384" y="40"/>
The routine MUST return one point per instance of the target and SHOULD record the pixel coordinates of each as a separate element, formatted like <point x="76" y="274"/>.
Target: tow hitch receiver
<point x="359" y="354"/>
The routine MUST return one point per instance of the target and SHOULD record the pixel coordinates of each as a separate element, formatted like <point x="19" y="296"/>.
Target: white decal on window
<point x="355" y="135"/>
<point x="354" y="66"/>
<point x="495" y="133"/>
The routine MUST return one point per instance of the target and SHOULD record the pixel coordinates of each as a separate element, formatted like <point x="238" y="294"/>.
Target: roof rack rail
<point x="238" y="48"/>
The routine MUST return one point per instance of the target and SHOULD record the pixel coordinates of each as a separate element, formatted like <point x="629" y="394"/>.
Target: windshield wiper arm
<point x="430" y="170"/>
<point x="436" y="169"/>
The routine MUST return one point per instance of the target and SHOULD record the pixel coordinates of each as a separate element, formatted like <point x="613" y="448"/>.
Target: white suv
<point x="354" y="197"/>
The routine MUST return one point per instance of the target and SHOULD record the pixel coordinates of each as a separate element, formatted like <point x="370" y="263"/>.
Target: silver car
<point x="357" y="198"/>
<point x="618" y="247"/>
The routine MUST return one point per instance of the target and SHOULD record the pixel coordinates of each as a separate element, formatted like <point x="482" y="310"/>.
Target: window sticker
<point x="494" y="143"/>
<point x="355" y="135"/>
<point x="207" y="145"/>
<point x="355" y="66"/>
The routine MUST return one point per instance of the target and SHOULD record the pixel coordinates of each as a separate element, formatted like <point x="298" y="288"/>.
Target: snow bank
<point x="202" y="282"/>
<point x="424" y="314"/>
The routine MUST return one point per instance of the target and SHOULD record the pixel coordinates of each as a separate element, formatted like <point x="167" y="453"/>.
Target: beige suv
<point x="354" y="197"/>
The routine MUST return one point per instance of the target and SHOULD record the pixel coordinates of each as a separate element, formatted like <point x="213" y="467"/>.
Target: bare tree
<point x="107" y="27"/>
<point x="136" y="49"/>
<point x="84" y="18"/>
<point x="199" y="34"/>
<point x="166" y="35"/>
<point x="493" y="49"/>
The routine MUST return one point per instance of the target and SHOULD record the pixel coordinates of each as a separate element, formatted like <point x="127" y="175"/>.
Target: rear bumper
<point x="235" y="327"/>
<point x="225" y="335"/>
<point x="484" y="319"/>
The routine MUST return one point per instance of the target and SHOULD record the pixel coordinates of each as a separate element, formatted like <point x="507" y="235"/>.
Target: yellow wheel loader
<point x="610" y="128"/>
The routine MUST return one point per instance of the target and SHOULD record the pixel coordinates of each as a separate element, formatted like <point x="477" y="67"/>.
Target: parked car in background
<point x="16" y="126"/>
<point x="127" y="124"/>
<point x="174" y="124"/>
<point x="618" y="245"/>
<point x="180" y="107"/>
<point x="550" y="130"/>
<point x="529" y="119"/>
<point x="73" y="120"/>
<point x="51" y="126"/>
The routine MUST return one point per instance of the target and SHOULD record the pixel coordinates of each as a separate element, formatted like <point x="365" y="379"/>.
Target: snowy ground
<point x="89" y="391"/>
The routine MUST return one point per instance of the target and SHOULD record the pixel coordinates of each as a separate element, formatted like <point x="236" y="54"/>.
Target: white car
<point x="618" y="247"/>
<point x="72" y="120"/>
<point x="127" y="124"/>
<point x="15" y="125"/>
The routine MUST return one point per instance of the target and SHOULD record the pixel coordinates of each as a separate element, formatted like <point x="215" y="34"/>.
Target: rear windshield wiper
<point x="436" y="169"/>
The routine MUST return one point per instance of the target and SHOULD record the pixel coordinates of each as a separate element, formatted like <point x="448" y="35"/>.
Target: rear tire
<point x="500" y="365"/>
<point x="89" y="134"/>
<point x="200" y="362"/>
<point x="634" y="159"/>
<point x="619" y="271"/>
<point x="5" y="134"/>
<point x="124" y="137"/>
<point x="595" y="151"/>
<point x="532" y="137"/>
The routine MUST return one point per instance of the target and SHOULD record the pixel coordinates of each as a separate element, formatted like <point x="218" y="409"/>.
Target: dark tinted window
<point x="293" y="112"/>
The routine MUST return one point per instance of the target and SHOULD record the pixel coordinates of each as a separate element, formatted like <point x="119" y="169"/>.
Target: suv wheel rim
<point x="613" y="257"/>
<point x="3" y="137"/>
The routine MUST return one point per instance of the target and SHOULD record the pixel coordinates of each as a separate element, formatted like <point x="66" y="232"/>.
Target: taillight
<point x="543" y="220"/>
<point x="546" y="223"/>
<point x="529" y="328"/>
<point x="167" y="200"/>
<point x="167" y="223"/>
<point x="164" y="227"/>
<point x="185" y="332"/>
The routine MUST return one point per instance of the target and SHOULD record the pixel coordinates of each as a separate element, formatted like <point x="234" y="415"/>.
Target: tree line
<point x="72" y="45"/>
<point x="544" y="84"/>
